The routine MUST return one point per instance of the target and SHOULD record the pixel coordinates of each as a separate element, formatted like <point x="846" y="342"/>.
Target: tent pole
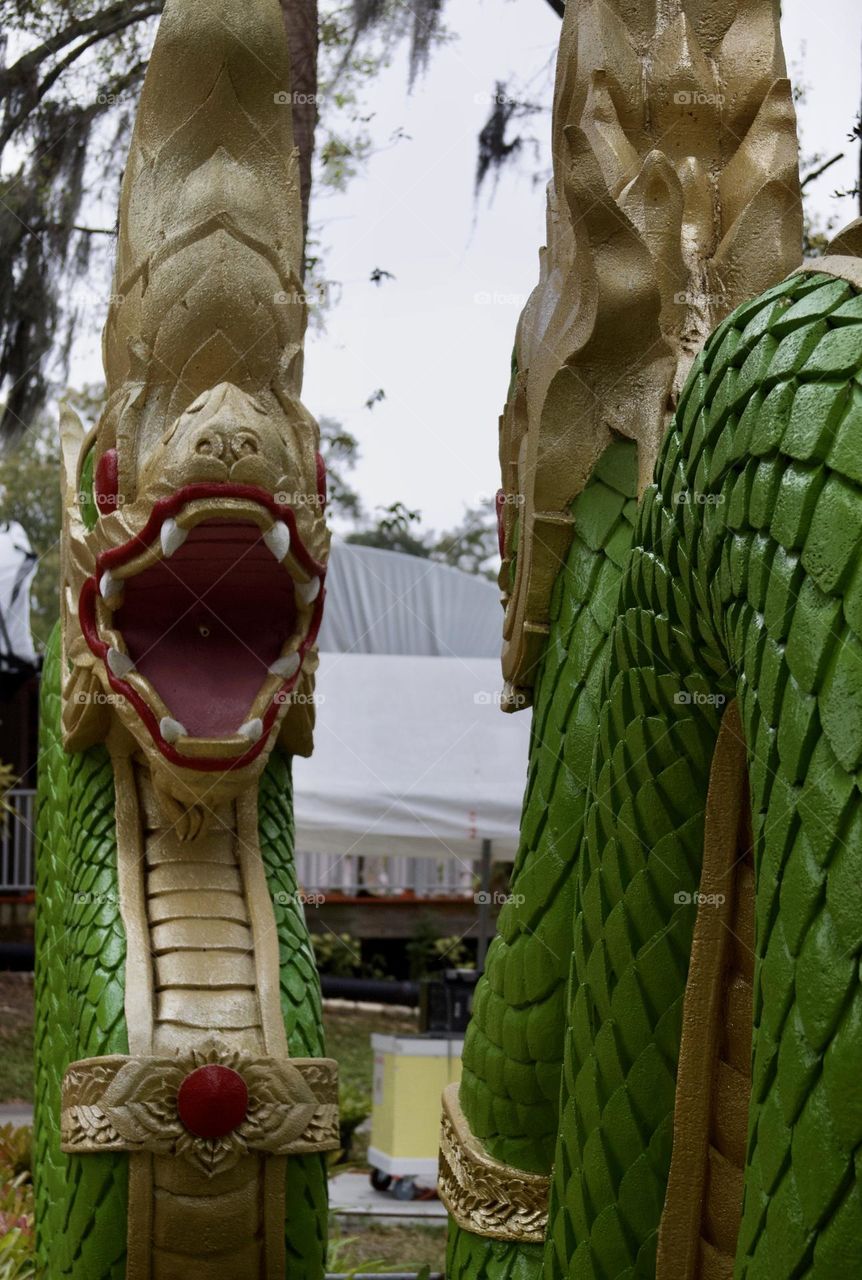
<point x="484" y="905"/>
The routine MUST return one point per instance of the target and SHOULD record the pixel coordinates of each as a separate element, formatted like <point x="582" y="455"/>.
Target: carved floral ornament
<point x="122" y="1103"/>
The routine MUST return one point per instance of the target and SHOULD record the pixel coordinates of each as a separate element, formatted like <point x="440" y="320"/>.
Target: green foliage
<point x="354" y="1106"/>
<point x="338" y="954"/>
<point x="67" y="101"/>
<point x="16" y="1204"/>
<point x="470" y="546"/>
<point x="427" y="953"/>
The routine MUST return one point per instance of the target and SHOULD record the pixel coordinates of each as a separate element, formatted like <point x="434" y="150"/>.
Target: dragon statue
<point x="661" y="1076"/>
<point x="183" y="1103"/>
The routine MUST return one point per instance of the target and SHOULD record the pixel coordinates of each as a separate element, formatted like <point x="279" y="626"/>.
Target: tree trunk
<point x="300" y="23"/>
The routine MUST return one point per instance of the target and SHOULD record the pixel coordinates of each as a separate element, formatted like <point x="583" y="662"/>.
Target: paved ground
<point x="351" y="1195"/>
<point x="16" y="1113"/>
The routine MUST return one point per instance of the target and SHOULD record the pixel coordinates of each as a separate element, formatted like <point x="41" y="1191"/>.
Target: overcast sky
<point x="437" y="339"/>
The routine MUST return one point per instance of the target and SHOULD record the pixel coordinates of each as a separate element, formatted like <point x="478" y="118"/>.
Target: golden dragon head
<point x="195" y="547"/>
<point x="675" y="197"/>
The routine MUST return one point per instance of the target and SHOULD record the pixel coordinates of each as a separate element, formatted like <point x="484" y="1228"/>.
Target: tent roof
<point x="388" y="602"/>
<point x="411" y="753"/>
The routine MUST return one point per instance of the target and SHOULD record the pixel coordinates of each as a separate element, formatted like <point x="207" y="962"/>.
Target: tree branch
<point x="100" y="23"/>
<point x="815" y="173"/>
<point x="35" y="96"/>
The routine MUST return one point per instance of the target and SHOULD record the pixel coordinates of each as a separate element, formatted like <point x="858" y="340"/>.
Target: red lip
<point x="164" y="509"/>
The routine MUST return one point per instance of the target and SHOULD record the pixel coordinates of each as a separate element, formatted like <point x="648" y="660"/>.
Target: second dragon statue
<point x="661" y="1076"/>
<point x="183" y="1103"/>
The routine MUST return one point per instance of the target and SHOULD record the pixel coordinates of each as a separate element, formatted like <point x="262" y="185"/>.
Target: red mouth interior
<point x="204" y="626"/>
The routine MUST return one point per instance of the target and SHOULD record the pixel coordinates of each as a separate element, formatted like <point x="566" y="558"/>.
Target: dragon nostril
<point x="244" y="445"/>
<point x="210" y="444"/>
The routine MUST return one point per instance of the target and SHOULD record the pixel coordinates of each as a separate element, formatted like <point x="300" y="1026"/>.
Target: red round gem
<point x="212" y="1101"/>
<point x="106" y="482"/>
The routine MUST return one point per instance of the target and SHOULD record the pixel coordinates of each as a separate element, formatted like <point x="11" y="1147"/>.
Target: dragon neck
<point x="202" y="970"/>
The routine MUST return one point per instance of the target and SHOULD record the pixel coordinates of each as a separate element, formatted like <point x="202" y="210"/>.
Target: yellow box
<point x="410" y="1074"/>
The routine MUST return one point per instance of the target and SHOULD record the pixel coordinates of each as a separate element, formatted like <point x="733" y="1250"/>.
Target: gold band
<point x="126" y="1103"/>
<point x="484" y="1195"/>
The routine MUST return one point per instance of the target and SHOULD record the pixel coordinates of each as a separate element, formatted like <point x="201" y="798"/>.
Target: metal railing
<point x="386" y="875"/>
<point x="316" y="872"/>
<point x="17" y="841"/>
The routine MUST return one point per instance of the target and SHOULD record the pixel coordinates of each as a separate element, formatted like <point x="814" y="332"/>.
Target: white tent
<point x="412" y="754"/>
<point x="17" y="567"/>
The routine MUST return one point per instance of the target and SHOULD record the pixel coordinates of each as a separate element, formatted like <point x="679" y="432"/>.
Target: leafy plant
<point x="354" y="1106"/>
<point x="338" y="954"/>
<point x="16" y="1204"/>
<point x="427" y="953"/>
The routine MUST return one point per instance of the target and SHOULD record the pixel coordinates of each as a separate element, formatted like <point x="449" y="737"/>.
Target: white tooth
<point x="109" y="585"/>
<point x="171" y="729"/>
<point x="286" y="667"/>
<point x="172" y="537"/>
<point x="308" y="591"/>
<point x="252" y="729"/>
<point x="119" y="664"/>
<point x="278" y="540"/>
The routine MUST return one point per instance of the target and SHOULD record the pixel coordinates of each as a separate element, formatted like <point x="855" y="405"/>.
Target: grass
<point x="348" y="1040"/>
<point x="16" y="1037"/>
<point x="388" y="1248"/>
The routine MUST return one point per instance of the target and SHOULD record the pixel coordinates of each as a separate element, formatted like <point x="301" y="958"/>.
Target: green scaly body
<point x="745" y="581"/>
<point x="81" y="1201"/>
<point x="513" y="1051"/>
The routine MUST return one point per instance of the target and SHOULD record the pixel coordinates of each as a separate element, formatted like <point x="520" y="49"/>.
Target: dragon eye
<point x="106" y="486"/>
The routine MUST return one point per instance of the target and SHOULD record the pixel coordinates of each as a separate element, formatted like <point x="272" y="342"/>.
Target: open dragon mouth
<point x="203" y="620"/>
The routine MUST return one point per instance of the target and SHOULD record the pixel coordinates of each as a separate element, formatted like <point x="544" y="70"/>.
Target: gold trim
<point x="126" y="1103"/>
<point x="139" y="996"/>
<point x="679" y="1242"/>
<point x="139" y="1248"/>
<point x="261" y="916"/>
<point x="835" y="264"/>
<point x="484" y="1195"/>
<point x="275" y="1245"/>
